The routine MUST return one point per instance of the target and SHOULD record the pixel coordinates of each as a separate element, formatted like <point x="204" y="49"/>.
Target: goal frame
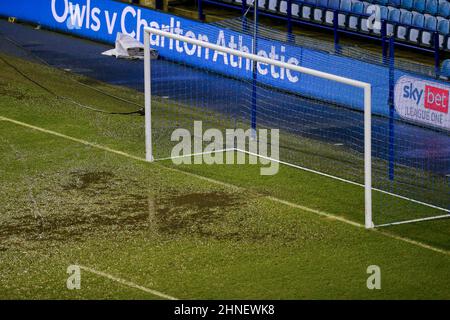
<point x="366" y="87"/>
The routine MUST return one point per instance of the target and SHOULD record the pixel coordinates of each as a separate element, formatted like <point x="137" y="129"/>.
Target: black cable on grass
<point x="139" y="111"/>
<point x="25" y="76"/>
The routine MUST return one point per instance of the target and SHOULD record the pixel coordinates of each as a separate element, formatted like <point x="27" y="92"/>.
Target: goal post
<point x="148" y="98"/>
<point x="365" y="87"/>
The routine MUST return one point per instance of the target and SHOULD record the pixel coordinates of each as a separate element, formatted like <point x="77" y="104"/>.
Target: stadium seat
<point x="393" y="20"/>
<point x="262" y="4"/>
<point x="363" y="21"/>
<point x="332" y="7"/>
<point x="405" y="23"/>
<point x="418" y="24"/>
<point x="432" y="7"/>
<point x="272" y="5"/>
<point x="445" y="69"/>
<point x="345" y="8"/>
<point x="283" y="7"/>
<point x="419" y="6"/>
<point x="307" y="8"/>
<point x="444" y="9"/>
<point x="444" y="30"/>
<point x="379" y="2"/>
<point x="407" y="4"/>
<point x="318" y="13"/>
<point x="430" y="29"/>
<point x="384" y="14"/>
<point x="295" y="8"/>
<point x="395" y="3"/>
<point x="355" y="17"/>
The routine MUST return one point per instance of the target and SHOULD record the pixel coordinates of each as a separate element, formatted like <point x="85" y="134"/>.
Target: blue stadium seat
<point x="332" y="7"/>
<point x="318" y="13"/>
<point x="405" y="23"/>
<point x="367" y="13"/>
<point x="307" y="8"/>
<point x="355" y="17"/>
<point x="430" y="29"/>
<point x="419" y="6"/>
<point x="393" y="21"/>
<point x="432" y="7"/>
<point x="418" y="24"/>
<point x="394" y="3"/>
<point x="444" y="9"/>
<point x="444" y="30"/>
<point x="384" y="14"/>
<point x="345" y="8"/>
<point x="381" y="2"/>
<point x="407" y="4"/>
<point x="445" y="69"/>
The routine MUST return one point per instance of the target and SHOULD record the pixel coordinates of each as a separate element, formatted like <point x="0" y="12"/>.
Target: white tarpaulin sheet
<point x="129" y="48"/>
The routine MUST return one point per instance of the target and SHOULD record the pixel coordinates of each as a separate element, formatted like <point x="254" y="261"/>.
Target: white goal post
<point x="256" y="58"/>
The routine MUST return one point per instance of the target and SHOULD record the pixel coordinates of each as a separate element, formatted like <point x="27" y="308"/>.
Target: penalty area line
<point x="127" y="283"/>
<point x="284" y="202"/>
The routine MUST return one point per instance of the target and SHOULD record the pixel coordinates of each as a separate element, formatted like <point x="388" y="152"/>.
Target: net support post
<point x="437" y="58"/>
<point x="201" y="16"/>
<point x="391" y="109"/>
<point x="255" y="70"/>
<point x="368" y="156"/>
<point x="148" y="98"/>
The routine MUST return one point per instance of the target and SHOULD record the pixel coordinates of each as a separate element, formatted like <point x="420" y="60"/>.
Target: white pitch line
<point x="196" y="154"/>
<point x="413" y="242"/>
<point x="353" y="183"/>
<point x="318" y="212"/>
<point x="444" y="216"/>
<point x="287" y="203"/>
<point x="127" y="283"/>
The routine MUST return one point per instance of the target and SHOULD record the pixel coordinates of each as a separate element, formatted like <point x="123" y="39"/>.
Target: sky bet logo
<point x="434" y="98"/>
<point x="423" y="101"/>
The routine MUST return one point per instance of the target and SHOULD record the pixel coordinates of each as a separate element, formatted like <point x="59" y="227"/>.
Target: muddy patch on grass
<point x="193" y="211"/>
<point x="7" y="91"/>
<point x="71" y="226"/>
<point x="78" y="219"/>
<point x="93" y="203"/>
<point x="86" y="179"/>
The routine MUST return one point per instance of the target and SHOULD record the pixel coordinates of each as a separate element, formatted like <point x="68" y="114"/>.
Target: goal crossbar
<point x="256" y="58"/>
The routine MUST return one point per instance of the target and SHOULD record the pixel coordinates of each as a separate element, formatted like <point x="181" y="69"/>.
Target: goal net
<point x="214" y="77"/>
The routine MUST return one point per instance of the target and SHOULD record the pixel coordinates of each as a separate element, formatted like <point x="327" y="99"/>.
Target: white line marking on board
<point x="287" y="203"/>
<point x="127" y="283"/>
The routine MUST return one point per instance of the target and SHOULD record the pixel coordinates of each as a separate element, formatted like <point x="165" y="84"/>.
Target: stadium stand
<point x="414" y="22"/>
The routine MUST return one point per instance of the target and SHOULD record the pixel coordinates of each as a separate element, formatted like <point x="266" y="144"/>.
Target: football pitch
<point x="75" y="190"/>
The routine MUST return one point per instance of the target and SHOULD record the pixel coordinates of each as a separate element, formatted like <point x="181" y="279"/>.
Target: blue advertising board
<point x="103" y="19"/>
